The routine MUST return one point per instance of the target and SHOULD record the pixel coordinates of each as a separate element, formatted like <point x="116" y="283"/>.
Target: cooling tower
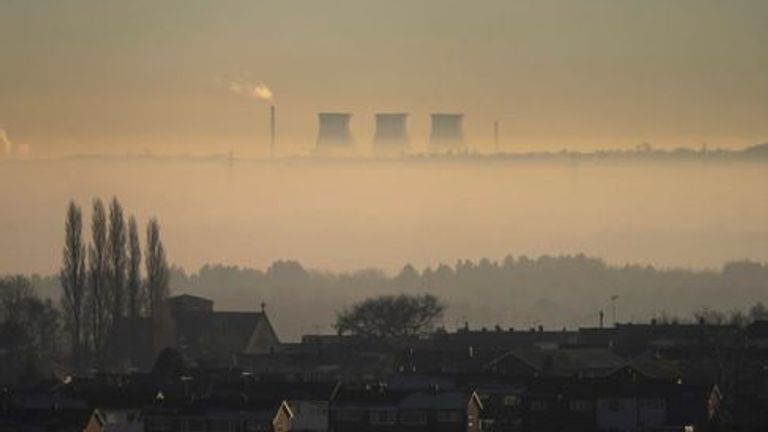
<point x="334" y="130"/>
<point x="391" y="132"/>
<point x="447" y="131"/>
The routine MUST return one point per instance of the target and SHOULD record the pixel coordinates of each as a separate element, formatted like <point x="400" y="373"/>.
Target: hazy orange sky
<point x="147" y="75"/>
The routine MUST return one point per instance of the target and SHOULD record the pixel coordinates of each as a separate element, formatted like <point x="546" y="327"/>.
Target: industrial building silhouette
<point x="391" y="132"/>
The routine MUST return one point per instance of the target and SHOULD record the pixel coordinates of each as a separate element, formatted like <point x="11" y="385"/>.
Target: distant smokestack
<point x="272" y="120"/>
<point x="447" y="131"/>
<point x="391" y="132"/>
<point x="334" y="130"/>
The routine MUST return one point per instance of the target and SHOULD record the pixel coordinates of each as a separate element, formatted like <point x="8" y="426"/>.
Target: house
<point x="45" y="405"/>
<point x="503" y="339"/>
<point x="574" y="362"/>
<point x="757" y="334"/>
<point x="555" y="403"/>
<point x="210" y="336"/>
<point x="115" y="420"/>
<point x="329" y="363"/>
<point x="309" y="403"/>
<point x="375" y="409"/>
<point x="216" y="400"/>
<point x="218" y="416"/>
<point x="633" y="339"/>
<point x="502" y="405"/>
<point x="203" y="335"/>
<point x="628" y="399"/>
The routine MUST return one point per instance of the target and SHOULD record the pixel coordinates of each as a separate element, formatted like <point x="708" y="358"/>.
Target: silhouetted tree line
<point x="555" y="291"/>
<point x="107" y="307"/>
<point x="105" y="298"/>
<point x="642" y="151"/>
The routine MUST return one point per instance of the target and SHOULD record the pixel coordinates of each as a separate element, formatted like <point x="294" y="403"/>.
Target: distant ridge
<point x="757" y="150"/>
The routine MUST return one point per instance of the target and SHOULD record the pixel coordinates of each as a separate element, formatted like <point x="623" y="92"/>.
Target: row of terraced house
<point x="228" y="371"/>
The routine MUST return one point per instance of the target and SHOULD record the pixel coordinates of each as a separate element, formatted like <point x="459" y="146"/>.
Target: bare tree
<point x="709" y="316"/>
<point x="391" y="317"/>
<point x="758" y="312"/>
<point x="135" y="287"/>
<point x="73" y="281"/>
<point x="29" y="330"/>
<point x="157" y="282"/>
<point x="116" y="268"/>
<point x="98" y="255"/>
<point x="14" y="291"/>
<point x="135" y="294"/>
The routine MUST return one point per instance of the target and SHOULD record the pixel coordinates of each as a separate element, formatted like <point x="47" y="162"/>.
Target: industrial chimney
<point x="391" y="132"/>
<point x="334" y="131"/>
<point x="447" y="132"/>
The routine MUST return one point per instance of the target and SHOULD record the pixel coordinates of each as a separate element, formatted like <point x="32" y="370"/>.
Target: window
<point x="613" y="404"/>
<point x="159" y="424"/>
<point x="413" y="417"/>
<point x="383" y="417"/>
<point x="580" y="405"/>
<point x="219" y="426"/>
<point x="539" y="405"/>
<point x="196" y="425"/>
<point x="449" y="416"/>
<point x="253" y="426"/>
<point x="651" y="403"/>
<point x="511" y="400"/>
<point x="349" y="415"/>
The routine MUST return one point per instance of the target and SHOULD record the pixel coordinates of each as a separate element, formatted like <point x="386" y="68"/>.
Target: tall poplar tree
<point x="117" y="260"/>
<point x="73" y="283"/>
<point x="98" y="255"/>
<point x="157" y="282"/>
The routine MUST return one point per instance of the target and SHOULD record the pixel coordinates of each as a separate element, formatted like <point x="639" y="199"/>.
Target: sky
<point x="105" y="76"/>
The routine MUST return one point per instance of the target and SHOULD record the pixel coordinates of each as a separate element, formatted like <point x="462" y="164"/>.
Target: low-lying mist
<point x="340" y="216"/>
<point x="347" y="215"/>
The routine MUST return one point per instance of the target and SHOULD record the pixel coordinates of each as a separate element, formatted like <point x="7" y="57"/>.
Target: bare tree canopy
<point x="28" y="331"/>
<point x="391" y="316"/>
<point x="14" y="292"/>
<point x="73" y="281"/>
<point x="157" y="270"/>
<point x="157" y="285"/>
<point x="117" y="260"/>
<point x="98" y="261"/>
<point x="135" y="295"/>
<point x="116" y="269"/>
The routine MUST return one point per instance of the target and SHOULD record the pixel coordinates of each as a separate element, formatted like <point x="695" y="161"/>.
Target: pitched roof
<point x="430" y="400"/>
<point x="565" y="361"/>
<point x="219" y="335"/>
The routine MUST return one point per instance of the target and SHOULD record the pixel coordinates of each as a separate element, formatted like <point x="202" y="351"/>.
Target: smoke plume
<point x="257" y="91"/>
<point x="9" y="150"/>
<point x="5" y="143"/>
